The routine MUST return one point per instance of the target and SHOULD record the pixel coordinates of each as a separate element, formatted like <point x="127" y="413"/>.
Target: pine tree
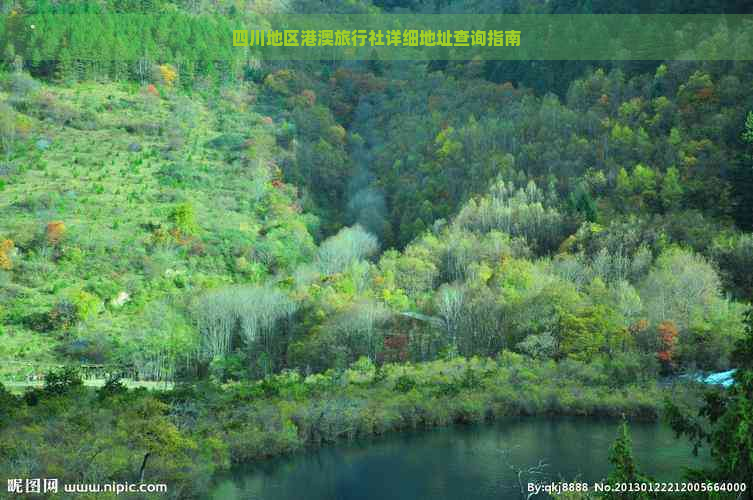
<point x="624" y="468"/>
<point x="743" y="178"/>
<point x="65" y="71"/>
<point x="729" y="413"/>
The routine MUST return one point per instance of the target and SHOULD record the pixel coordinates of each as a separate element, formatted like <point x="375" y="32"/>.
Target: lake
<point x="459" y="462"/>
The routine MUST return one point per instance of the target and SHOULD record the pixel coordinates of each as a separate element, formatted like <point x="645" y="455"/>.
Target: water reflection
<point x="477" y="462"/>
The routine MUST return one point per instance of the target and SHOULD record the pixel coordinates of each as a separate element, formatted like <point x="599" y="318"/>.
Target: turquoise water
<point x="460" y="462"/>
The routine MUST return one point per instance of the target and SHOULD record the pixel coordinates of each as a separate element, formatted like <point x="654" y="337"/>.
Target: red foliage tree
<point x="668" y="335"/>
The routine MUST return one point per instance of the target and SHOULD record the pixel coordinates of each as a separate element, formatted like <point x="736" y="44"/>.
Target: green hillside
<point x="247" y="258"/>
<point x="122" y="208"/>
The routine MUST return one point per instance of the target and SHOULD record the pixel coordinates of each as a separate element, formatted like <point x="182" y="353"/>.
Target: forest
<point x="206" y="260"/>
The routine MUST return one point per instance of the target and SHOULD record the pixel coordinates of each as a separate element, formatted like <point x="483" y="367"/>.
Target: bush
<point x="8" y="404"/>
<point x="21" y="84"/>
<point x="88" y="305"/>
<point x="228" y="142"/>
<point x="629" y="368"/>
<point x="404" y="383"/>
<point x="113" y="387"/>
<point x="62" y="381"/>
<point x="229" y="367"/>
<point x="177" y="175"/>
<point x="184" y="218"/>
<point x="62" y="316"/>
<point x="91" y="350"/>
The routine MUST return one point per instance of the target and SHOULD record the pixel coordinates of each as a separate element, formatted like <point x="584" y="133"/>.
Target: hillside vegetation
<point x="317" y="250"/>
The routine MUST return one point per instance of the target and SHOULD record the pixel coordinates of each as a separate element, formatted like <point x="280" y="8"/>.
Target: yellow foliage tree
<point x="169" y="74"/>
<point x="6" y="247"/>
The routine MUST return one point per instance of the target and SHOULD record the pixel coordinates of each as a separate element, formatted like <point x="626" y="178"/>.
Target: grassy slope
<point x="107" y="197"/>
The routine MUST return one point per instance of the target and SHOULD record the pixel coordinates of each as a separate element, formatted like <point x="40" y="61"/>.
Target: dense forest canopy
<point x="595" y="190"/>
<point x="176" y="212"/>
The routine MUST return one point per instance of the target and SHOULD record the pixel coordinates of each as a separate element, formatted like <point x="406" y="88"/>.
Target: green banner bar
<point x="385" y="37"/>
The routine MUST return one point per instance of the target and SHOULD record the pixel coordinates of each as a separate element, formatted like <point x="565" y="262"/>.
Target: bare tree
<point x="450" y="301"/>
<point x="682" y="284"/>
<point x="347" y="246"/>
<point x="251" y="314"/>
<point x="217" y="319"/>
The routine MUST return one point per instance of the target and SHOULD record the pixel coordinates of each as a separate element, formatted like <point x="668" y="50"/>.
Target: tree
<point x="724" y="421"/>
<point x="8" y="130"/>
<point x="541" y="346"/>
<point x="359" y="328"/>
<point x="671" y="190"/>
<point x="624" y="186"/>
<point x="734" y="255"/>
<point x="625" y="470"/>
<point x="582" y="334"/>
<point x="743" y="177"/>
<point x="517" y="212"/>
<point x="450" y="299"/>
<point x="681" y="286"/>
<point x="260" y="309"/>
<point x="667" y="332"/>
<point x="247" y="316"/>
<point x="145" y="426"/>
<point x="62" y="381"/>
<point x="168" y="74"/>
<point x="348" y="245"/>
<point x="748" y="132"/>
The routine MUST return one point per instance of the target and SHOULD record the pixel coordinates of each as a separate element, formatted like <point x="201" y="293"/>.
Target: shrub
<point x="61" y="381"/>
<point x="87" y="305"/>
<point x="113" y="387"/>
<point x="8" y="129"/>
<point x="6" y="247"/>
<point x="184" y="218"/>
<point x="184" y="175"/>
<point x="229" y="367"/>
<point x="228" y="142"/>
<point x="21" y="84"/>
<point x="88" y="350"/>
<point x="8" y="404"/>
<point x="404" y="383"/>
<point x="62" y="316"/>
<point x="628" y="368"/>
<point x="55" y="232"/>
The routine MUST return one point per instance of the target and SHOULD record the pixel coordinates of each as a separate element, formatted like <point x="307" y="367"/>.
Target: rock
<point x="134" y="147"/>
<point x="121" y="299"/>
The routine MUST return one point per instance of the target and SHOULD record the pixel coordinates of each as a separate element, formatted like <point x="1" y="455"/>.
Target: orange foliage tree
<point x="668" y="334"/>
<point x="309" y="96"/>
<point x="55" y="231"/>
